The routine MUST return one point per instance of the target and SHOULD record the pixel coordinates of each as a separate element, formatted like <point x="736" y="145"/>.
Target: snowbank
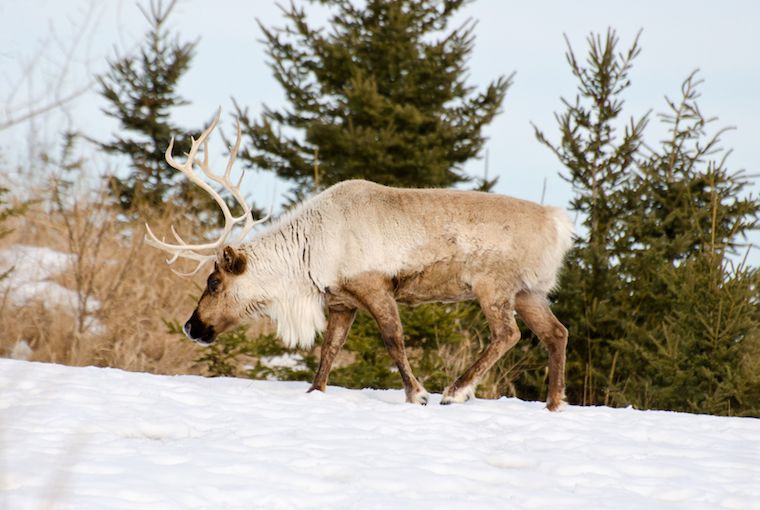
<point x="90" y="438"/>
<point x="32" y="268"/>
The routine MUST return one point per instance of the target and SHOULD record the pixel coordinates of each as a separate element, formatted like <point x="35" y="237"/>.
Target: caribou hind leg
<point x="339" y="320"/>
<point x="498" y="308"/>
<point x="535" y="312"/>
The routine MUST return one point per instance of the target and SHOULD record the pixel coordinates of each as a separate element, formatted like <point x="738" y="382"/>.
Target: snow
<point x="289" y="360"/>
<point x="93" y="438"/>
<point x="32" y="268"/>
<point x="21" y="350"/>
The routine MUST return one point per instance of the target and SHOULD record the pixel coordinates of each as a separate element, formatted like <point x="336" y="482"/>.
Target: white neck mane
<point x="297" y="303"/>
<point x="299" y="316"/>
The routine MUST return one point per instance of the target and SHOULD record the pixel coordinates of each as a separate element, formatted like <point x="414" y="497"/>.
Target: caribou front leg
<point x="374" y="292"/>
<point x="339" y="320"/>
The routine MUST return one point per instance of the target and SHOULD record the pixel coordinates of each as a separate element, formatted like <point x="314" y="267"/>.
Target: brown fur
<point x="232" y="261"/>
<point x="378" y="295"/>
<point x="212" y="305"/>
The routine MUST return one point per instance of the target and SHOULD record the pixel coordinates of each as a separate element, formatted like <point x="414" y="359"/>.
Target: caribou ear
<point x="232" y="261"/>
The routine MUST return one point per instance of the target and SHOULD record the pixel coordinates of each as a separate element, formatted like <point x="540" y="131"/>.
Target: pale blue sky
<point x="720" y="38"/>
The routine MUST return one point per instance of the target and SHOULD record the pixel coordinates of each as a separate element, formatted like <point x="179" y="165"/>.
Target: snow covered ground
<point x="91" y="438"/>
<point x="32" y="269"/>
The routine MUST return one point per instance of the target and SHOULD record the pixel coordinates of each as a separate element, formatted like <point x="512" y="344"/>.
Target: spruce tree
<point x="662" y="313"/>
<point x="597" y="161"/>
<point x="690" y="317"/>
<point x="141" y="91"/>
<point x="380" y="95"/>
<point x="677" y="187"/>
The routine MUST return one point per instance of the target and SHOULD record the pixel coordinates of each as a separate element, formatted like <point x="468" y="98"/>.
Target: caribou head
<point x="228" y="298"/>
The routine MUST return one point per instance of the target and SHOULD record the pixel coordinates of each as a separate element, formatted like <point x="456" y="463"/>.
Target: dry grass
<point x="137" y="292"/>
<point x="134" y="287"/>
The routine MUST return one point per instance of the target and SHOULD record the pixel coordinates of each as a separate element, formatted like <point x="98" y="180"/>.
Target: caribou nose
<point x="191" y="328"/>
<point x="197" y="331"/>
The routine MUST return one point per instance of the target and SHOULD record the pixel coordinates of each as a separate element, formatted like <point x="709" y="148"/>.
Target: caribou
<point x="360" y="245"/>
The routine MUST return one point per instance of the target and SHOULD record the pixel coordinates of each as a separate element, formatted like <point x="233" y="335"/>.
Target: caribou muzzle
<point x="197" y="331"/>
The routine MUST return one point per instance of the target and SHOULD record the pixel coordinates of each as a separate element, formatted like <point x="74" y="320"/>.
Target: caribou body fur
<point x="451" y="237"/>
<point x="363" y="245"/>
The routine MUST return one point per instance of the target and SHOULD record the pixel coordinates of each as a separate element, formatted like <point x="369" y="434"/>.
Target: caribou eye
<point x="213" y="283"/>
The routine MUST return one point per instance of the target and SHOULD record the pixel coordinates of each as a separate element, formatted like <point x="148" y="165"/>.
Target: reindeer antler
<point x="190" y="251"/>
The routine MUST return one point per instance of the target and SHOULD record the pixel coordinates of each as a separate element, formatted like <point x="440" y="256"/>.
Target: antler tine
<point x="265" y="218"/>
<point x="233" y="151"/>
<point x="194" y="146"/>
<point x="234" y="189"/>
<point x="191" y="251"/>
<point x="187" y="169"/>
<point x="177" y="237"/>
<point x="249" y="223"/>
<point x="177" y="252"/>
<point x="260" y="220"/>
<point x="201" y="263"/>
<point x="152" y="240"/>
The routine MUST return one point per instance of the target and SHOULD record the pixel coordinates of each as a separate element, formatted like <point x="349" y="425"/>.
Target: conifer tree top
<point x="379" y="94"/>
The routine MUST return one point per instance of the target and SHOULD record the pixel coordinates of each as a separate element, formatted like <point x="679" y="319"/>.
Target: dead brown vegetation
<point x="136" y="293"/>
<point x="112" y="266"/>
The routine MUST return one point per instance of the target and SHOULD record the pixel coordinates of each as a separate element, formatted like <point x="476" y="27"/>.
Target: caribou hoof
<point x="420" y="398"/>
<point x="452" y="395"/>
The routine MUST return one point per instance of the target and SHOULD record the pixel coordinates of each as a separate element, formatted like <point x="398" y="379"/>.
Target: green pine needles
<point x="141" y="91"/>
<point x="662" y="308"/>
<point x="379" y="95"/>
